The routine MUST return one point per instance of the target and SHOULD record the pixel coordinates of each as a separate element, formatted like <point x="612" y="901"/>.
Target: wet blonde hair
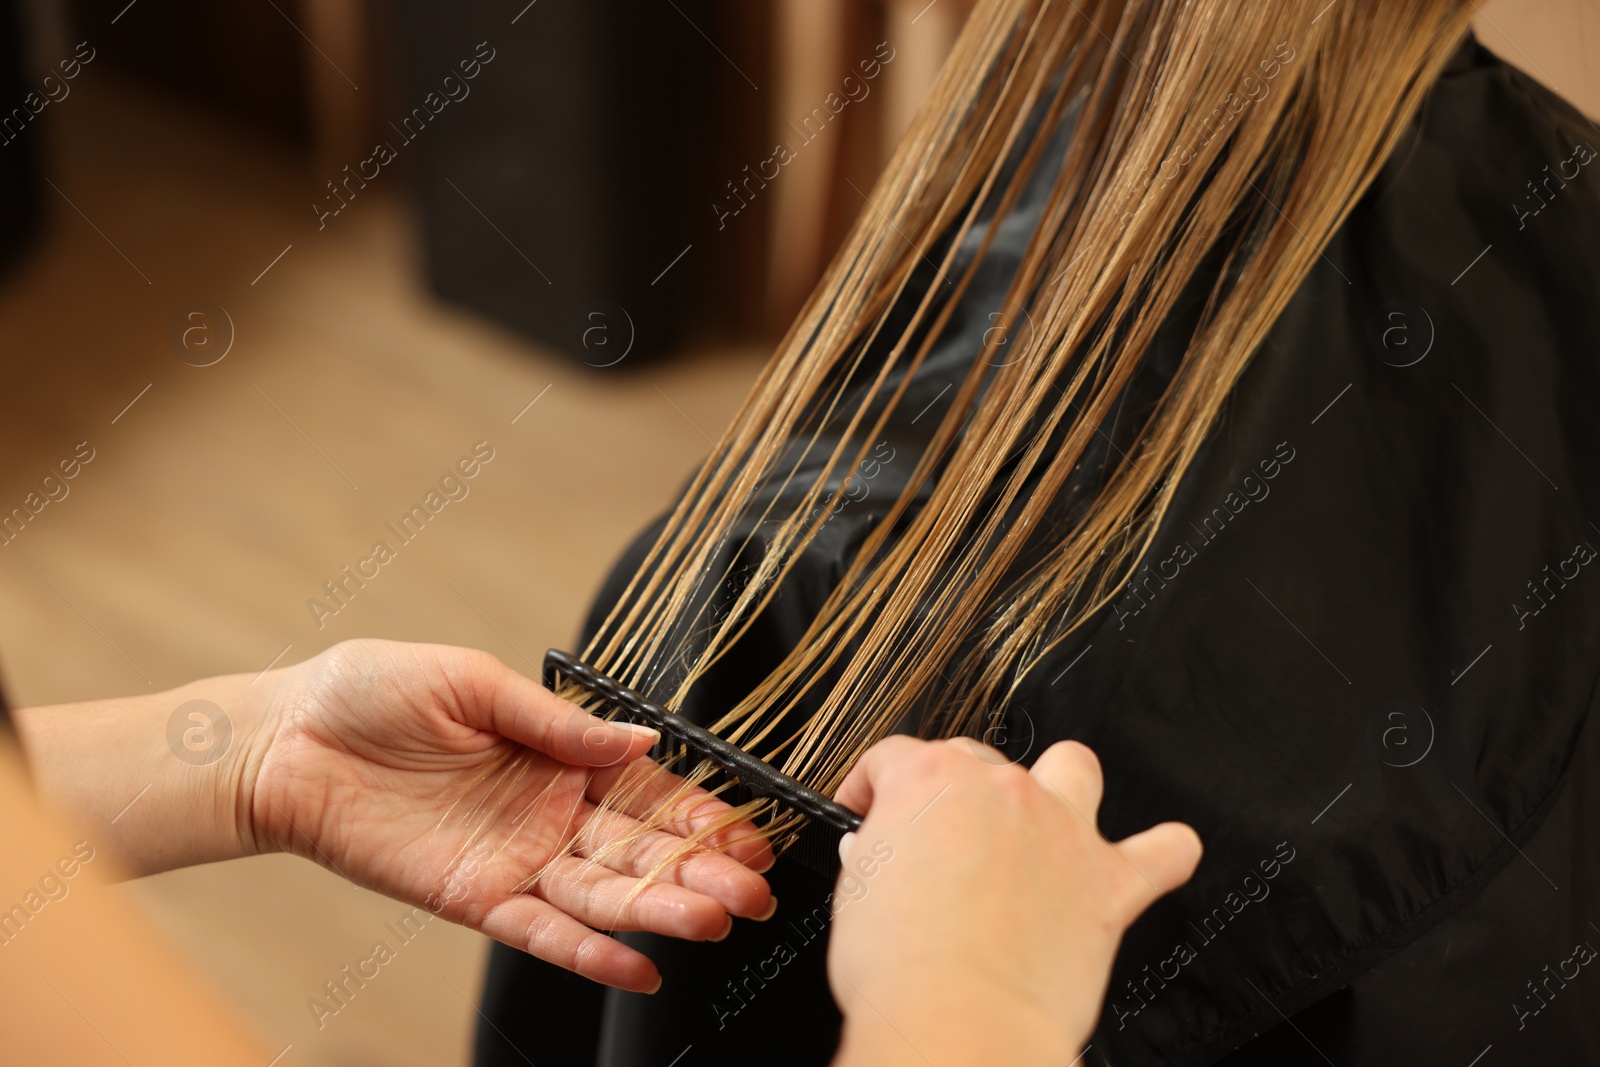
<point x="1227" y="128"/>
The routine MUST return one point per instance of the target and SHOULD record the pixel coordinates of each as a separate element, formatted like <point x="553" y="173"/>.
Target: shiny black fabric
<point x="1361" y="660"/>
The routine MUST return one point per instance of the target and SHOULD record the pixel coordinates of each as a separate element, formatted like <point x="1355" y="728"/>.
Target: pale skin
<point x="988" y="936"/>
<point x="386" y="763"/>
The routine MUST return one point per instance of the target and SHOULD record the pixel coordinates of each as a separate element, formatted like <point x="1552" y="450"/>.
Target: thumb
<point x="574" y="736"/>
<point x="1166" y="855"/>
<point x="493" y="697"/>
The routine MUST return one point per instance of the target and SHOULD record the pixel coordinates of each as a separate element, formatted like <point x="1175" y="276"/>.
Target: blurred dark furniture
<point x="245" y="59"/>
<point x="19" y="158"/>
<point x="571" y="193"/>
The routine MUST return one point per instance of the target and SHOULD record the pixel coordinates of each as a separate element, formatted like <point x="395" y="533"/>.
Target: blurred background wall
<point x="577" y="242"/>
<point x="625" y="161"/>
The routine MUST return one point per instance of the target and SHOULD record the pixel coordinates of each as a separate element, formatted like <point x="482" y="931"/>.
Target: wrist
<point x="958" y="1027"/>
<point x="255" y="714"/>
<point x="163" y="779"/>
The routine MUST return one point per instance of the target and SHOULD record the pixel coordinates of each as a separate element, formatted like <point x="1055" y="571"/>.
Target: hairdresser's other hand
<point x="443" y="778"/>
<point x="979" y="909"/>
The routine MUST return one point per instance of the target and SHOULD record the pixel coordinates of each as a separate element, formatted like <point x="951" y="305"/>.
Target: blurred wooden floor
<point x="220" y="501"/>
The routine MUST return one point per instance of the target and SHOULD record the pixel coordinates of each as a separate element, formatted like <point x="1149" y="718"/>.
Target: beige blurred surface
<point x="219" y="501"/>
<point x="73" y="949"/>
<point x="1557" y="41"/>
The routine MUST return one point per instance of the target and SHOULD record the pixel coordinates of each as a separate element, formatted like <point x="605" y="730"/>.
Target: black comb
<point x="815" y="844"/>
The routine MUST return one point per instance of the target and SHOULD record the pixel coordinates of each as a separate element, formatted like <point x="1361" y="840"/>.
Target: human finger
<point x="982" y="752"/>
<point x="600" y="897"/>
<point x="1166" y="855"/>
<point x="621" y="843"/>
<point x="865" y="779"/>
<point x="541" y="929"/>
<point x="490" y="696"/>
<point x="1073" y="771"/>
<point x="662" y="800"/>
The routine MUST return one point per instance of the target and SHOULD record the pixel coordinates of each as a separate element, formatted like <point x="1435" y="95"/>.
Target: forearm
<point x="160" y="788"/>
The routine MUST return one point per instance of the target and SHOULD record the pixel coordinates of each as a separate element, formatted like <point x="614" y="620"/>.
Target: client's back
<point x="1359" y="656"/>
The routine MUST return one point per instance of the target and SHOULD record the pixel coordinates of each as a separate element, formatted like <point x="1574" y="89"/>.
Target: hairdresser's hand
<point x="979" y="909"/>
<point x="441" y="777"/>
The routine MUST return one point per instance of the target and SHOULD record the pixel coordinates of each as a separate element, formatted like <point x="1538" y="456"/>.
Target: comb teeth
<point x="816" y="843"/>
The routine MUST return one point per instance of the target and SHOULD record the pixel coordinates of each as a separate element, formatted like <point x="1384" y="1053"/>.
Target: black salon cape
<point x="1361" y="663"/>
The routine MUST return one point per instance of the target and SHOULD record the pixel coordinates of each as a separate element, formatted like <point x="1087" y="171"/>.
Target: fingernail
<point x="726" y="930"/>
<point x="655" y="988"/>
<point x="772" y="861"/>
<point x="641" y="731"/>
<point x="845" y="842"/>
<point x="772" y="909"/>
